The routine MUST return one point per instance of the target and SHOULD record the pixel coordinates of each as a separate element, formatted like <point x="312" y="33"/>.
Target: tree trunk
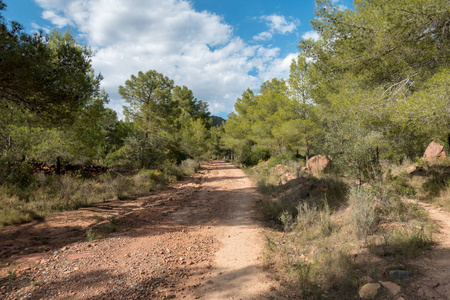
<point x="58" y="165"/>
<point x="307" y="151"/>
<point x="378" y="155"/>
<point x="448" y="140"/>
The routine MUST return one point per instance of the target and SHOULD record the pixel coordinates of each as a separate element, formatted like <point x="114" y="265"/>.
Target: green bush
<point x="252" y="156"/>
<point x="189" y="166"/>
<point x="401" y="186"/>
<point x="361" y="202"/>
<point x="437" y="182"/>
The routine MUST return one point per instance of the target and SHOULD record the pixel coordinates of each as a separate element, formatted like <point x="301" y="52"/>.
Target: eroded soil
<point x="200" y="239"/>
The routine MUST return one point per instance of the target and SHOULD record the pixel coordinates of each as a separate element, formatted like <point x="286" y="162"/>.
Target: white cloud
<point x="37" y="28"/>
<point x="263" y="36"/>
<point x="196" y="49"/>
<point x="313" y="35"/>
<point x="56" y="19"/>
<point x="278" y="24"/>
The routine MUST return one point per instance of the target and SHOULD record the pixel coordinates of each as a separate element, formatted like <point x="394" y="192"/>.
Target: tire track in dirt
<point x="228" y="196"/>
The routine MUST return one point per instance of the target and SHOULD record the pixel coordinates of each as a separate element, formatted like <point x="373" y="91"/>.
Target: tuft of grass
<point x="91" y="235"/>
<point x="361" y="202"/>
<point x="189" y="166"/>
<point x="12" y="275"/>
<point x="110" y="227"/>
<point x="402" y="243"/>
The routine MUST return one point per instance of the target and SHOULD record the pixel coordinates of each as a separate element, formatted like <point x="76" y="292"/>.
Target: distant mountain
<point x="216" y="121"/>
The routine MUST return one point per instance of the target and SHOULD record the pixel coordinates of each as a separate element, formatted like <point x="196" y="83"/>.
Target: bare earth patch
<point x="435" y="265"/>
<point x="198" y="239"/>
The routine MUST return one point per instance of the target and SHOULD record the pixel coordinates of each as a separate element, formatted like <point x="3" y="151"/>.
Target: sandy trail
<point x="237" y="272"/>
<point x="435" y="265"/>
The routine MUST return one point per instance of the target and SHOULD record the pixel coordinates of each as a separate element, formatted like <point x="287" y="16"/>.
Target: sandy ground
<point x="200" y="239"/>
<point x="434" y="265"/>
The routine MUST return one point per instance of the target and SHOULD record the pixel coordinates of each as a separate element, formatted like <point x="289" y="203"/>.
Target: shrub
<point x="119" y="187"/>
<point x="401" y="186"/>
<point x="189" y="166"/>
<point x="438" y="181"/>
<point x="252" y="156"/>
<point x="362" y="210"/>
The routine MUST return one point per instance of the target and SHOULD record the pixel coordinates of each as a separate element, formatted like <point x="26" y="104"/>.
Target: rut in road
<point x="227" y="205"/>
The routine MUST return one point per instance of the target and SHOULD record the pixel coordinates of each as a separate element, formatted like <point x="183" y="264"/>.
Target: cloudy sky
<point x="217" y="48"/>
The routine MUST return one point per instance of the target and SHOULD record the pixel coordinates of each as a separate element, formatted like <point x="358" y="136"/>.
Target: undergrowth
<point x="327" y="232"/>
<point x="25" y="196"/>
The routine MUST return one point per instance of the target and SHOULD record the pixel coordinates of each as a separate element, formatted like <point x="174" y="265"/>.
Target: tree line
<point x="54" y="111"/>
<point x="374" y="86"/>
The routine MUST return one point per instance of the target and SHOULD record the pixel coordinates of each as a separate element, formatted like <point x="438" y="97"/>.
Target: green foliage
<point x="151" y="106"/>
<point x="50" y="77"/>
<point x="372" y="65"/>
<point x="401" y="185"/>
<point x="353" y="150"/>
<point x="189" y="166"/>
<point x="252" y="156"/>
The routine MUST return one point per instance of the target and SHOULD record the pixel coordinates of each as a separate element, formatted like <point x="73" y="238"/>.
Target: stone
<point x="367" y="279"/>
<point x="318" y="163"/>
<point x="412" y="170"/>
<point x="399" y="274"/>
<point x="434" y="151"/>
<point x="430" y="283"/>
<point x="393" y="288"/>
<point x="420" y="293"/>
<point x="369" y="290"/>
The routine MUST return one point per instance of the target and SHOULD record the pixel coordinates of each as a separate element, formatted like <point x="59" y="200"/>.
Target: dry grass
<point x="328" y="238"/>
<point x="43" y="195"/>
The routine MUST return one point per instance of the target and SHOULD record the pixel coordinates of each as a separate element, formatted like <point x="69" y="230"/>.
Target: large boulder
<point x="318" y="163"/>
<point x="434" y="151"/>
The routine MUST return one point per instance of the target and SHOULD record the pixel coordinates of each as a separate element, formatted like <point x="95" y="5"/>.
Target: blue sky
<point x="217" y="48"/>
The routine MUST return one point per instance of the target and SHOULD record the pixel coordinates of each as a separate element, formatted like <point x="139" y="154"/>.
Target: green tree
<point x="371" y="64"/>
<point x="189" y="106"/>
<point x="151" y="106"/>
<point x="50" y="77"/>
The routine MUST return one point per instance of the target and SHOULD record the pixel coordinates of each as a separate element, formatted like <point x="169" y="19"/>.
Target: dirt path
<point x="237" y="272"/>
<point x="199" y="239"/>
<point x="435" y="265"/>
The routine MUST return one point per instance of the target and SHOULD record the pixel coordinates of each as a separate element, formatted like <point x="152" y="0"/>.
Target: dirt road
<point x="200" y="239"/>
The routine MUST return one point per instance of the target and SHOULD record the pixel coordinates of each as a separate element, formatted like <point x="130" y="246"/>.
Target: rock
<point x="434" y="151"/>
<point x="303" y="169"/>
<point x="369" y="290"/>
<point x="420" y="293"/>
<point x="430" y="283"/>
<point x="393" y="288"/>
<point x="412" y="170"/>
<point x="317" y="164"/>
<point x="400" y="274"/>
